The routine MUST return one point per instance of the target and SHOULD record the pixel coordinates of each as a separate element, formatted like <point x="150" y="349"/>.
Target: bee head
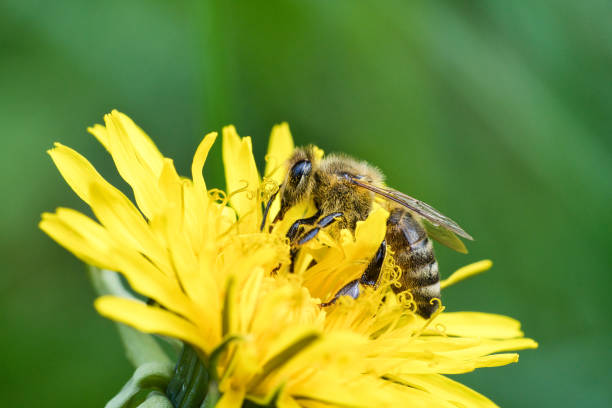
<point x="298" y="181"/>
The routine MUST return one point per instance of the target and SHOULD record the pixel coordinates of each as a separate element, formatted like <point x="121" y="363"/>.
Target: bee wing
<point x="440" y="225"/>
<point x="444" y="236"/>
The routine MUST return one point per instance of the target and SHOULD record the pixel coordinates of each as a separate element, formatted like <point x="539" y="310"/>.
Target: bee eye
<point x="299" y="170"/>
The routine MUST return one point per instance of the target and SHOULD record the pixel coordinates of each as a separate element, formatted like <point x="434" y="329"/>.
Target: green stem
<point x="190" y="383"/>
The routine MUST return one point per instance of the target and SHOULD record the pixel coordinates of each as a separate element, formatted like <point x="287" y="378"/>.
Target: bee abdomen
<point x="413" y="253"/>
<point x="424" y="282"/>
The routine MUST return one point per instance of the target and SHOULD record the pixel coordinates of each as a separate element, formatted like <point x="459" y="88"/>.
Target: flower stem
<point x="189" y="384"/>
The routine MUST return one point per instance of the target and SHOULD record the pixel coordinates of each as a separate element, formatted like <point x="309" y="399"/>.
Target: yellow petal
<point x="149" y="319"/>
<point x="497" y="360"/>
<point x="91" y="242"/>
<point x="487" y="347"/>
<point x="280" y="148"/>
<point x="133" y="166"/>
<point x="99" y="132"/>
<point x="76" y="170"/>
<point x="286" y="347"/>
<point x="445" y="388"/>
<point x="363" y="391"/>
<point x="248" y="301"/>
<point x="198" y="162"/>
<point x="341" y="349"/>
<point x="125" y="223"/>
<point x="194" y="214"/>
<point x="232" y="398"/>
<point x="197" y="284"/>
<point x="146" y="148"/>
<point x="476" y="324"/>
<point x="286" y="401"/>
<point x="170" y="185"/>
<point x="466" y="271"/>
<point x="146" y="151"/>
<point x="371" y="232"/>
<point x="195" y="195"/>
<point x="241" y="176"/>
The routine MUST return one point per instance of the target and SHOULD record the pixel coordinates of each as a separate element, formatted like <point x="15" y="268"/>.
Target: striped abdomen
<point x="413" y="253"/>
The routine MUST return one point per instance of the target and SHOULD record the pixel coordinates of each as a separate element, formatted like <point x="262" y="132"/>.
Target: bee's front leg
<point x="292" y="234"/>
<point x="322" y="223"/>
<point x="295" y="227"/>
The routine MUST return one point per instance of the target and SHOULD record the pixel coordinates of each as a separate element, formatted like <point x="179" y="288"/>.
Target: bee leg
<point x="323" y="222"/>
<point x="369" y="277"/>
<point x="295" y="227"/>
<point x="350" y="289"/>
<point x="372" y="272"/>
<point x="293" y="231"/>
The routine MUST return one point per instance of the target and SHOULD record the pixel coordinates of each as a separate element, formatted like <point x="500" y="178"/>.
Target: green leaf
<point x="212" y="396"/>
<point x="156" y="400"/>
<point x="140" y="348"/>
<point x="149" y="376"/>
<point x="107" y="282"/>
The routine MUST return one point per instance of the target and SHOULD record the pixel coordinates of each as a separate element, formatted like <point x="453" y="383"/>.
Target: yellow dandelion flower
<point x="259" y="331"/>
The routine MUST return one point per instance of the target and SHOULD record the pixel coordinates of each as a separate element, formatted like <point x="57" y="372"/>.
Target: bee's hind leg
<point x="350" y="289"/>
<point x="372" y="272"/>
<point x="369" y="277"/>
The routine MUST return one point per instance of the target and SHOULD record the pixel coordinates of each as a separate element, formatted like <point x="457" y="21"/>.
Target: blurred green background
<point x="498" y="113"/>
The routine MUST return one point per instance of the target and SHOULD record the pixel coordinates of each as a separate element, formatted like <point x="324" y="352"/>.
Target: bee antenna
<point x="267" y="209"/>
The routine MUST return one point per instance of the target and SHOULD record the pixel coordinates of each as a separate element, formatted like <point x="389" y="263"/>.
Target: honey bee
<point x="343" y="191"/>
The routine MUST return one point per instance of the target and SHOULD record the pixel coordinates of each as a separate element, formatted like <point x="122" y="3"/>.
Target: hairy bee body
<point x="332" y="193"/>
<point x="343" y="190"/>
